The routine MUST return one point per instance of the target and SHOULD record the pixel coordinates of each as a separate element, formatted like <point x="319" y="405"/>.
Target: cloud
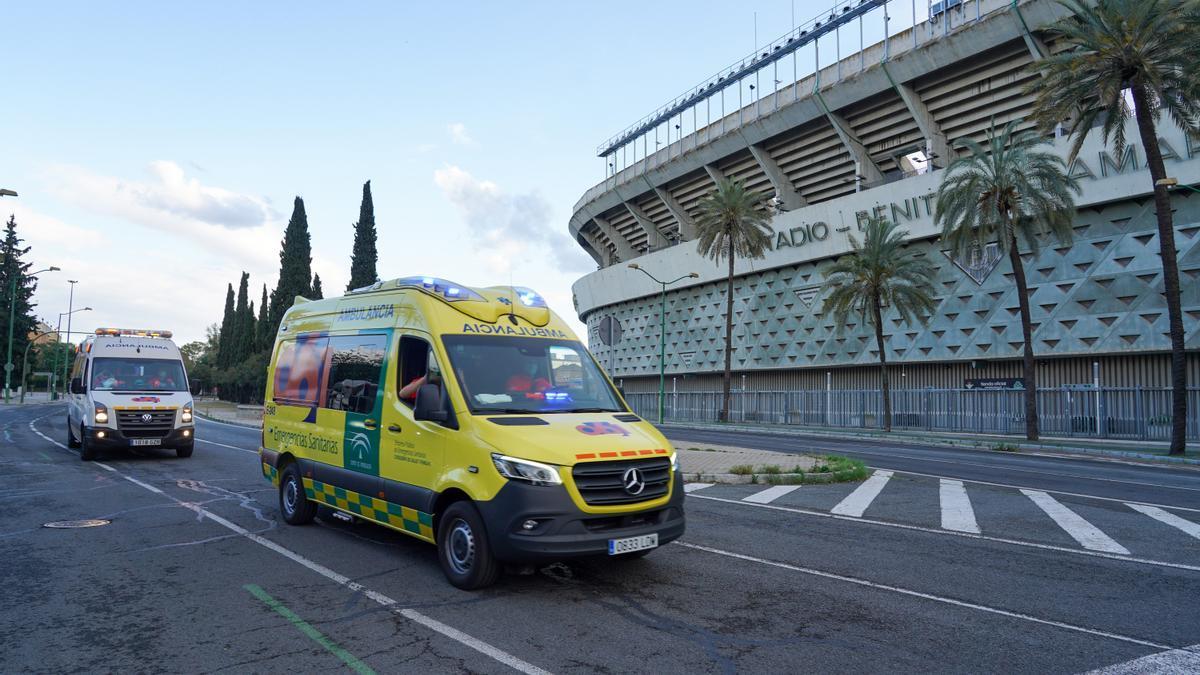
<point x="511" y="225"/>
<point x="243" y="226"/>
<point x="458" y="134"/>
<point x="47" y="233"/>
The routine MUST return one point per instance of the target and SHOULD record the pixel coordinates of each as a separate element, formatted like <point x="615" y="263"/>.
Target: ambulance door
<point x="412" y="453"/>
<point x="354" y="406"/>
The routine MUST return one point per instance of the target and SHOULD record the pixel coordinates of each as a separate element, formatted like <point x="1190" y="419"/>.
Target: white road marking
<point x="957" y="513"/>
<point x="950" y="533"/>
<point x="223" y="445"/>
<point x="247" y="427"/>
<point x="857" y="502"/>
<point x="1089" y="536"/>
<point x="340" y="579"/>
<point x="926" y="596"/>
<point x="771" y="494"/>
<point x="1184" y="660"/>
<point x="1168" y="518"/>
<point x="692" y="487"/>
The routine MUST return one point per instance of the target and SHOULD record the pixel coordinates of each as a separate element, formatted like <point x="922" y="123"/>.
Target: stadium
<point x="841" y="119"/>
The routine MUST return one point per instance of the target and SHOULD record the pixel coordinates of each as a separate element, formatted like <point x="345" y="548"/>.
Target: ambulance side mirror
<point x="429" y="404"/>
<point x="77" y="386"/>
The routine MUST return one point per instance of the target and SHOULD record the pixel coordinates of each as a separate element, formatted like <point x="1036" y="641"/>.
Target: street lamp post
<point x="1170" y="182"/>
<point x="57" y="336"/>
<point x="70" y="311"/>
<point x="12" y="311"/>
<point x="662" y="336"/>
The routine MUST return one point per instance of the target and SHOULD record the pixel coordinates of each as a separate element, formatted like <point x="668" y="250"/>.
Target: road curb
<point x="210" y="418"/>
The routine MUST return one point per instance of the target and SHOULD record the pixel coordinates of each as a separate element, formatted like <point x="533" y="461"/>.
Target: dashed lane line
<point x="770" y="494"/>
<point x="927" y="596"/>
<point x="1089" y="536"/>
<point x="1169" y="518"/>
<point x="952" y="533"/>
<point x="340" y="579"/>
<point x="957" y="513"/>
<point x="856" y="503"/>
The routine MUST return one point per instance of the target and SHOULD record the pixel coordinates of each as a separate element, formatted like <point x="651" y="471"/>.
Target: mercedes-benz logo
<point x="634" y="483"/>
<point x="146" y="417"/>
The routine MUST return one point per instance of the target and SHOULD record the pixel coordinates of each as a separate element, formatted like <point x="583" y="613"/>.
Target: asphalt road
<point x="1175" y="486"/>
<point x="196" y="573"/>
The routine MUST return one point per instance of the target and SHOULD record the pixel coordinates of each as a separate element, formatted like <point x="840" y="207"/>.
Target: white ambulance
<point x="129" y="389"/>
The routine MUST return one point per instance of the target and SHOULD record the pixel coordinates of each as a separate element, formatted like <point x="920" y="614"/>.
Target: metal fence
<point x="1135" y="413"/>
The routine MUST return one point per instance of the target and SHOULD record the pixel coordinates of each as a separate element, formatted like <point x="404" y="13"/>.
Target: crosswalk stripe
<point x="957" y="513"/>
<point x="1185" y="660"/>
<point x="1088" y="535"/>
<point x="770" y="494"/>
<point x="1168" y="518"/>
<point x="857" y="502"/>
<point x="692" y="487"/>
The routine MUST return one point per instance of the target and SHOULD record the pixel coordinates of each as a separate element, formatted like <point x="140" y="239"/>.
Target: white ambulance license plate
<point x="145" y="441"/>
<point x="631" y="544"/>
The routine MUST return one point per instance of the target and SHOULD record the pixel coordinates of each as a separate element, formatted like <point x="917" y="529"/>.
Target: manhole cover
<point x="72" y="524"/>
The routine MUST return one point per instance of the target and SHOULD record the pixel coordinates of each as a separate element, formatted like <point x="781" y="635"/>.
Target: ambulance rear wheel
<point x="293" y="502"/>
<point x="463" y="548"/>
<point x="87" y="451"/>
<point x="71" y="442"/>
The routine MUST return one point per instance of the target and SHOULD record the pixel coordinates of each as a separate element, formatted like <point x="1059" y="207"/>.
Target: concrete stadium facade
<point x="832" y="155"/>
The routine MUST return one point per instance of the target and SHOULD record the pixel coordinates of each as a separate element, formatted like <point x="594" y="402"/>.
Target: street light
<point x="662" y="341"/>
<point x="12" y="310"/>
<point x="57" y="335"/>
<point x="1170" y="182"/>
<point x="7" y="193"/>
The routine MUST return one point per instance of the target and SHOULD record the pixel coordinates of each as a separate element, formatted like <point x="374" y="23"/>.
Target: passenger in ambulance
<point x="104" y="380"/>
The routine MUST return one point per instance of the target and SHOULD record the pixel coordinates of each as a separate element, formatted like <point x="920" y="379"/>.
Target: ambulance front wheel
<point x="185" y="451"/>
<point x="293" y="502"/>
<point x="463" y="548"/>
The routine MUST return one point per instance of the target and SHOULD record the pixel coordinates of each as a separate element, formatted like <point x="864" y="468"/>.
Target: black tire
<point x="71" y="442"/>
<point x="294" y="504"/>
<point x="185" y="451"/>
<point x="87" y="451"/>
<point x="464" y="551"/>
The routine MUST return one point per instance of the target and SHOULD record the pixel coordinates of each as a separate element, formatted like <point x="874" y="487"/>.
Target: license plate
<point x="631" y="544"/>
<point x="145" y="441"/>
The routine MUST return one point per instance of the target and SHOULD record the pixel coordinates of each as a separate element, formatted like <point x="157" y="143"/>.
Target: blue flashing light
<point x="529" y="297"/>
<point x="447" y="289"/>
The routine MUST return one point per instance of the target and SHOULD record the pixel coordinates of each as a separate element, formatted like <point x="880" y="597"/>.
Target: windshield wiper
<point x="589" y="410"/>
<point x="508" y="411"/>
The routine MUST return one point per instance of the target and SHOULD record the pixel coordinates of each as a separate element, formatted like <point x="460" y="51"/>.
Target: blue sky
<point x="157" y="146"/>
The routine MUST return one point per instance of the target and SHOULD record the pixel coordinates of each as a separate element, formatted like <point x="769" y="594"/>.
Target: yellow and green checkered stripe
<point x="408" y="520"/>
<point x="271" y="474"/>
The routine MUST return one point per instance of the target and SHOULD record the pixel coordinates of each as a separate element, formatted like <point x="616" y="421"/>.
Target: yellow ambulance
<point x="471" y="418"/>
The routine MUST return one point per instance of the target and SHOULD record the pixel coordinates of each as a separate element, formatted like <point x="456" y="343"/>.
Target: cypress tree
<point x="317" y="292"/>
<point x="225" y="337"/>
<point x="364" y="256"/>
<point x="243" y="324"/>
<point x="295" y="266"/>
<point x="24" y="322"/>
<point x="263" y="338"/>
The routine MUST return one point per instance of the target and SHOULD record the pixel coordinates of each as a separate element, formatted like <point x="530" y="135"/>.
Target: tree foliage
<point x="295" y="265"/>
<point x="364" y="256"/>
<point x="13" y="268"/>
<point x="879" y="273"/>
<point x="732" y="223"/>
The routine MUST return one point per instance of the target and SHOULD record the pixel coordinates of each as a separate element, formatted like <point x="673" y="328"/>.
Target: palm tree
<point x="880" y="273"/>
<point x="1008" y="191"/>
<point x="732" y="222"/>
<point x="1146" y="48"/>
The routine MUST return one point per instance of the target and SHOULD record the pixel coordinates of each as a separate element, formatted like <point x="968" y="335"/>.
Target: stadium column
<point x="654" y="238"/>
<point x="687" y="228"/>
<point x="624" y="249"/>
<point x="789" y="198"/>
<point x="866" y="166"/>
<point x="935" y="140"/>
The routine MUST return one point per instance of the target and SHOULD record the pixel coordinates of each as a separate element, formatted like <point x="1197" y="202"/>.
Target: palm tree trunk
<point x="728" y="339"/>
<point x="1030" y="374"/>
<point x="883" y="371"/>
<point x="1170" y="267"/>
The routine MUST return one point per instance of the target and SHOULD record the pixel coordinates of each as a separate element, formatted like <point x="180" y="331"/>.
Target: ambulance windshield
<point x="124" y="374"/>
<point x="504" y="374"/>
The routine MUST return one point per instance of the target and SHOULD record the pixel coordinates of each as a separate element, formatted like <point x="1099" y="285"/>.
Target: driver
<point x="529" y="383"/>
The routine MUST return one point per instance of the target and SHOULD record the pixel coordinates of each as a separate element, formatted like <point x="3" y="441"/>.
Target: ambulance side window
<point x="415" y="355"/>
<point x="355" y="369"/>
<point x="300" y="369"/>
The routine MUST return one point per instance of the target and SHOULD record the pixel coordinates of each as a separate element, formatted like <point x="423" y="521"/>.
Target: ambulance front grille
<point x="603" y="483"/>
<point x="132" y="425"/>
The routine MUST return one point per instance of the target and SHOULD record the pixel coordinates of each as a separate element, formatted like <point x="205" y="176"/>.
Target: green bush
<point x="770" y="469"/>
<point x="741" y="469"/>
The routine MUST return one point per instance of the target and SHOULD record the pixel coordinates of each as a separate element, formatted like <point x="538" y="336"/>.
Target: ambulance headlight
<point x="186" y="416"/>
<point x="101" y="413"/>
<point x="534" y="473"/>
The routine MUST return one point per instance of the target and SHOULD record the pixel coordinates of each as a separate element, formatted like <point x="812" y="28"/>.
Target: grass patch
<point x="1005" y="447"/>
<point x="742" y="470"/>
<point x="770" y="469"/>
<point x="842" y="468"/>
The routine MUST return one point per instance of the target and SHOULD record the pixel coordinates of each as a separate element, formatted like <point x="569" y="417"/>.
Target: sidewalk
<point x="1150" y="451"/>
<point x="230" y="413"/>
